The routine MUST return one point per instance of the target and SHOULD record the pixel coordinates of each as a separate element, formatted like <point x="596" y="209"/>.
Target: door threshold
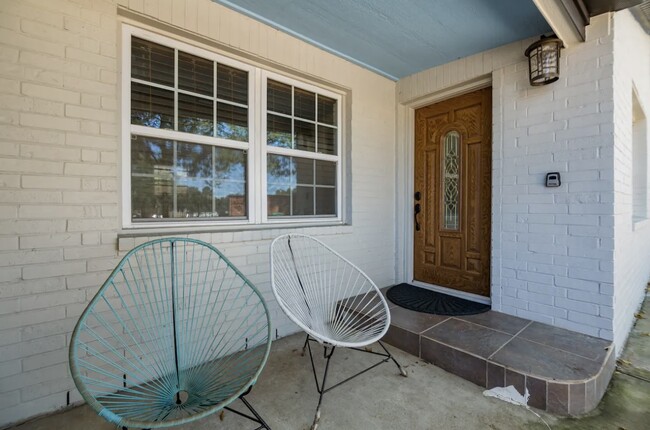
<point x="463" y="295"/>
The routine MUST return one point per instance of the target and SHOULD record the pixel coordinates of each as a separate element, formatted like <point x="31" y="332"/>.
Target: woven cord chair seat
<point x="175" y="333"/>
<point x="325" y="294"/>
<point x="156" y="402"/>
<point x="331" y="299"/>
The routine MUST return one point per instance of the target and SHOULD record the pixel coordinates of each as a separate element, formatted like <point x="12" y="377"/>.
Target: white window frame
<point x="266" y="75"/>
<point x="640" y="162"/>
<point x="256" y="147"/>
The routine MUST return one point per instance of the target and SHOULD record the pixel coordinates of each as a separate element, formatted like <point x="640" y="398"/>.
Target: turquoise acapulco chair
<point x="176" y="333"/>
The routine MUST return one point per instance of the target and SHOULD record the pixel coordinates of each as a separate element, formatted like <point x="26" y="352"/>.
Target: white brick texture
<point x="59" y="173"/>
<point x="566" y="256"/>
<point x="570" y="256"/>
<point x="632" y="237"/>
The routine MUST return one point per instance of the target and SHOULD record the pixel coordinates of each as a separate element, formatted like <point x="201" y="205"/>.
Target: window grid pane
<point x="327" y="110"/>
<point x="278" y="131"/>
<point x="327" y="140"/>
<point x="195" y="115"/>
<point x="152" y="106"/>
<point x="304" y="104"/>
<point x="304" y="135"/>
<point x="152" y="62"/>
<point x="195" y="74"/>
<point x="299" y="186"/>
<point x="305" y="121"/>
<point x="278" y="97"/>
<point x="313" y="119"/>
<point x="174" y="180"/>
<point x="232" y="122"/>
<point x="232" y="84"/>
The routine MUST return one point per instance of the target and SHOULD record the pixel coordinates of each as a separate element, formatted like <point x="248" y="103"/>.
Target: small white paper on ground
<point x="508" y="394"/>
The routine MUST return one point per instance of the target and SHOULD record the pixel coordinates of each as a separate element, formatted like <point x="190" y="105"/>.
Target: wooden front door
<point x="453" y="171"/>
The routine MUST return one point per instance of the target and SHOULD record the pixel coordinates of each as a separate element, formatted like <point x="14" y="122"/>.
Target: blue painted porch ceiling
<point x="397" y="38"/>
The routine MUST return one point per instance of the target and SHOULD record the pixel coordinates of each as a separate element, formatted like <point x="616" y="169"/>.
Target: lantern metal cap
<point x="543" y="41"/>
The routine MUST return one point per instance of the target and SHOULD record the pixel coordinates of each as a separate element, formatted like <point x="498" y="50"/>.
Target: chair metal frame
<point x="313" y="336"/>
<point x="80" y="351"/>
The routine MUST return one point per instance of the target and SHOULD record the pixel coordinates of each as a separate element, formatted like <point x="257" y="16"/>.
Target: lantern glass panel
<point x="543" y="61"/>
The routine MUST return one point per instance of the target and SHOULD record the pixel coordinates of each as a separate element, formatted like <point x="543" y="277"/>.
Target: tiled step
<point x="565" y="372"/>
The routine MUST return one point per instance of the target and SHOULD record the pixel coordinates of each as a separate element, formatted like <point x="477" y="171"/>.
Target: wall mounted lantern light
<point x="544" y="60"/>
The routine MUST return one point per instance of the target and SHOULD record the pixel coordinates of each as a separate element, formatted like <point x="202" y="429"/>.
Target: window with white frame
<point x="640" y="188"/>
<point x="302" y="151"/>
<point x="209" y="139"/>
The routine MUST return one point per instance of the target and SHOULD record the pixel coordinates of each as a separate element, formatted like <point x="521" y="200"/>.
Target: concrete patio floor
<point x="430" y="398"/>
<point x="286" y="397"/>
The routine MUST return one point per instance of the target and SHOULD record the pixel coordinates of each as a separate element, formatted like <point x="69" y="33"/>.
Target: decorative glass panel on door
<point x="451" y="186"/>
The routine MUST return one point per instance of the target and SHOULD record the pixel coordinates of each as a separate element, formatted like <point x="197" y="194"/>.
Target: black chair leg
<point x="402" y="371"/>
<point x="320" y="386"/>
<point x="256" y="417"/>
<point x="321" y="389"/>
<point x="259" y="420"/>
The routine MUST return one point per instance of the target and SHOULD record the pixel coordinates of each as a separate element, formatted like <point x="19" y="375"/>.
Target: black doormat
<point x="423" y="300"/>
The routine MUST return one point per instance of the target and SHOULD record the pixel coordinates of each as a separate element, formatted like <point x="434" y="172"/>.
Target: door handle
<point x="416" y="211"/>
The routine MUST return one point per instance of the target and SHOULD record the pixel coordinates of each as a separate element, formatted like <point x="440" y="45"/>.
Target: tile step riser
<point x="561" y="398"/>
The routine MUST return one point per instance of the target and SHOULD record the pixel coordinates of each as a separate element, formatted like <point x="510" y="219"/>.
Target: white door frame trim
<point x="405" y="163"/>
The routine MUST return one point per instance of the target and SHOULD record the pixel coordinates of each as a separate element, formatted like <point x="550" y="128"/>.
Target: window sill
<point x="640" y="223"/>
<point x="129" y="238"/>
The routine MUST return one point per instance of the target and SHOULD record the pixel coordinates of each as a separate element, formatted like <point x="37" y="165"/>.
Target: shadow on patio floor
<point x="428" y="399"/>
<point x="286" y="397"/>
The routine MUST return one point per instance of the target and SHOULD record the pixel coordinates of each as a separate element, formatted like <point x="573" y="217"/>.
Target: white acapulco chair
<point x="331" y="299"/>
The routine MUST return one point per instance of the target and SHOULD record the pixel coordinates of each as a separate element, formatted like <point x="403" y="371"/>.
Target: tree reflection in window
<point x="180" y="180"/>
<point x="173" y="91"/>
<point x="299" y="186"/>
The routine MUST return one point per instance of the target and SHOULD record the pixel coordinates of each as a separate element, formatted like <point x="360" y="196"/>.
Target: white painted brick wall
<point x="552" y="248"/>
<point x="632" y="257"/>
<point x="59" y="194"/>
